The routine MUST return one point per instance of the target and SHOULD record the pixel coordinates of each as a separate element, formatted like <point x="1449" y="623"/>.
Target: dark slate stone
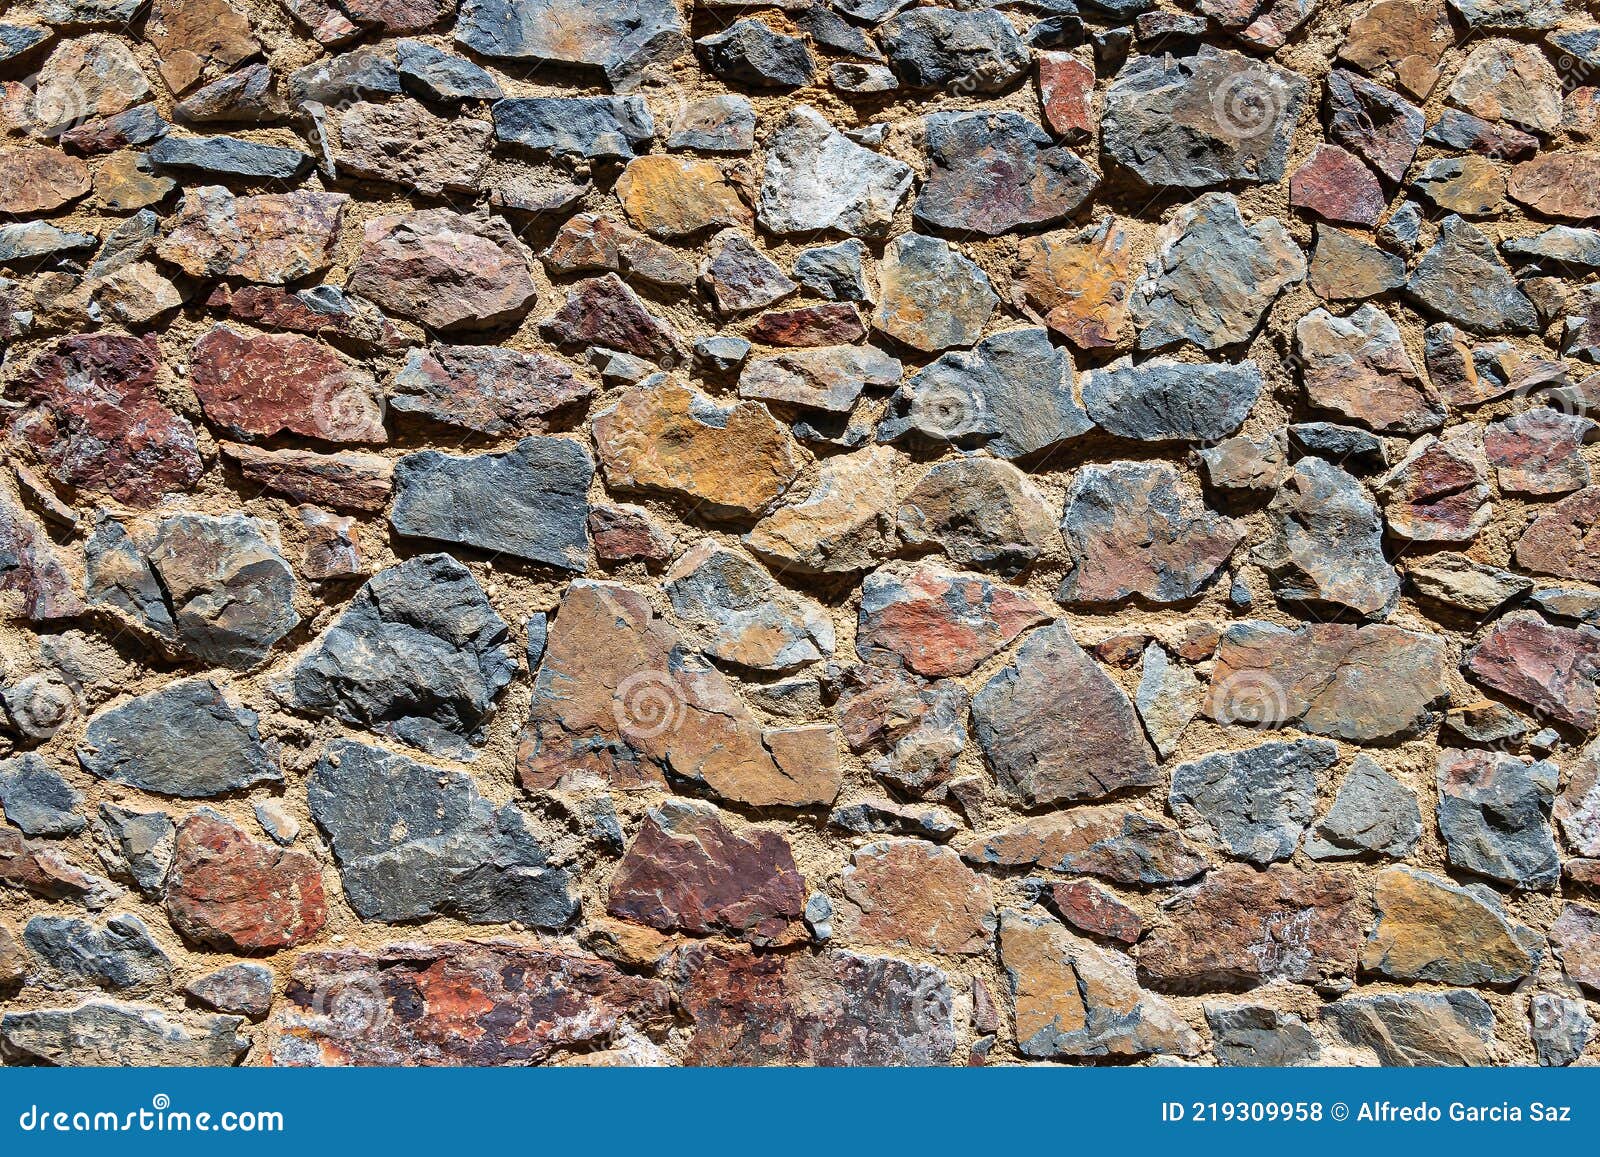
<point x="1160" y="400"/>
<point x="37" y="800"/>
<point x="1347" y="445"/>
<point x="619" y="36"/>
<point x="1494" y="815"/>
<point x="1373" y="812"/>
<point x="594" y="127"/>
<point x="1417" y="1028"/>
<point x="1374" y="122"/>
<point x="723" y="123"/>
<point x="414" y="841"/>
<point x="244" y="989"/>
<point x="346" y="79"/>
<point x="834" y="271"/>
<point x="29" y="241"/>
<point x="184" y="740"/>
<point x="749" y="52"/>
<point x="1559" y="245"/>
<point x="249" y="96"/>
<point x="135" y="845"/>
<point x="1560" y="1026"/>
<point x="973" y="184"/>
<point x="966" y="51"/>
<point x="530" y="502"/>
<point x="418" y="654"/>
<point x="830" y="30"/>
<point x="1057" y="32"/>
<point x="434" y="75"/>
<point x="230" y="157"/>
<point x="1255" y="803"/>
<point x="1462" y="280"/>
<point x="1255" y="1035"/>
<point x="18" y="40"/>
<point x="1011" y="394"/>
<point x="118" y="956"/>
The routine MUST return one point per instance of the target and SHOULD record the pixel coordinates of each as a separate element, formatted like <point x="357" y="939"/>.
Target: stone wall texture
<point x="828" y="532"/>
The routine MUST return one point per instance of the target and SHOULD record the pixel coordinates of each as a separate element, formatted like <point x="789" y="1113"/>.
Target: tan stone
<point x="1080" y="283"/>
<point x="845" y="524"/>
<point x="673" y="196"/>
<point x="197" y="39"/>
<point x="912" y="894"/>
<point x="1429" y="929"/>
<point x="35" y="180"/>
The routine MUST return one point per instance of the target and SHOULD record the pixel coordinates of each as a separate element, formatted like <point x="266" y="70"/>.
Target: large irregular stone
<point x="1080" y="281"/>
<point x="930" y="296"/>
<point x="912" y="730"/>
<point x="1559" y="541"/>
<point x="1160" y="401"/>
<point x="1326" y="543"/>
<point x="1254" y="1035"/>
<point x="828" y="1008"/>
<point x="230" y="158"/>
<point x="95" y="419"/>
<point x="273" y="383"/>
<point x="197" y="39"/>
<point x="749" y="52"/>
<point x="1136" y="529"/>
<point x="1213" y="277"/>
<point x="1562" y="184"/>
<point x="1241" y="927"/>
<point x="1494" y="815"/>
<point x="1428" y="929"/>
<point x="117" y="955"/>
<point x="1439" y="492"/>
<point x="1455" y="1027"/>
<point x="674" y="197"/>
<point x="1551" y="669"/>
<point x="917" y="895"/>
<point x="740" y="278"/>
<point x="1360" y="684"/>
<point x="38" y="180"/>
<point x="1539" y="451"/>
<point x="818" y="179"/>
<point x="604" y="311"/>
<point x="735" y="611"/>
<point x="1372" y="812"/>
<point x="1462" y="279"/>
<point x="399" y="142"/>
<point x="346" y="481"/>
<point x="1075" y="999"/>
<point x="486" y="388"/>
<point x="418" y="654"/>
<point x="184" y="739"/>
<point x="688" y="871"/>
<point x="969" y="187"/>
<point x="828" y="378"/>
<point x="1501" y="80"/>
<point x="455" y="1003"/>
<point x="939" y="622"/>
<point x="35" y="799"/>
<point x="414" y="842"/>
<point x="1195" y="122"/>
<point x="1358" y="367"/>
<point x="1373" y="122"/>
<point x="1337" y="186"/>
<point x="530" y="502"/>
<point x="732" y="462"/>
<point x="1117" y="844"/>
<point x="230" y="893"/>
<point x="1256" y="803"/>
<point x="41" y="870"/>
<point x="980" y="512"/>
<point x="89" y="76"/>
<point x="36" y="583"/>
<point x="249" y="96"/>
<point x="1054" y="727"/>
<point x="962" y="51"/>
<point x="103" y="1033"/>
<point x="612" y="128"/>
<point x="845" y="524"/>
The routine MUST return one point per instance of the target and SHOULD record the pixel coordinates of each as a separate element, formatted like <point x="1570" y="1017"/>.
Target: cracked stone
<point x="735" y="611"/>
<point x="1080" y="282"/>
<point x="979" y="512"/>
<point x="845" y="524"/>
<point x="939" y="622"/>
<point x="1116" y="844"/>
<point x="487" y="389"/>
<point x="930" y="296"/>
<point x="1160" y="400"/>
<point x="1440" y="491"/>
<point x="1256" y="803"/>
<point x="972" y="157"/>
<point x="1372" y="812"/>
<point x="1428" y="929"/>
<point x="230" y="893"/>
<point x="272" y="383"/>
<point x="104" y="1033"/>
<point x="1494" y="815"/>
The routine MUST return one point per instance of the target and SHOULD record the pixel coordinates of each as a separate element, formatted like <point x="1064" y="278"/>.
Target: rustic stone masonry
<point x="835" y="532"/>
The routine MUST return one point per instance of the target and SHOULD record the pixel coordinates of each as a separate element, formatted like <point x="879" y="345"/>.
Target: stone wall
<point x="584" y="531"/>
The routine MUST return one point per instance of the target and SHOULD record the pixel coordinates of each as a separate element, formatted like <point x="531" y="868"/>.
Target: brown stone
<point x="845" y="524"/>
<point x="456" y="1003"/>
<point x="1575" y="936"/>
<point x="824" y="1008"/>
<point x="1242" y="927"/>
<point x="1091" y="908"/>
<point x="401" y="143"/>
<point x="589" y="243"/>
<point x="197" y="39"/>
<point x="1336" y="186"/>
<point x="939" y="622"/>
<point x="980" y="512"/>
<point x="35" y="582"/>
<point x="1440" y="491"/>
<point x="1066" y="93"/>
<point x="332" y="546"/>
<point x="43" y="871"/>
<point x="230" y="893"/>
<point x="828" y="324"/>
<point x="344" y="481"/>
<point x="672" y="197"/>
<point x="95" y="419"/>
<point x="1080" y="283"/>
<point x="1559" y="184"/>
<point x="1358" y="367"/>
<point x="91" y="76"/>
<point x="1550" y="669"/>
<point x="687" y="871"/>
<point x="1539" y="451"/>
<point x="628" y="533"/>
<point x="1121" y="651"/>
<point x="124" y="182"/>
<point x="36" y="180"/>
<point x="1407" y="37"/>
<point x="14" y="963"/>
<point x="661" y="436"/>
<point x="268" y="384"/>
<point x="344" y="320"/>
<point x="1471" y="186"/>
<point x="603" y="311"/>
<point x="274" y="238"/>
<point x="487" y="389"/>
<point x="917" y="895"/>
<point x="1562" y="541"/>
<point x="1502" y="80"/>
<point x="1348" y="267"/>
<point x="919" y="725"/>
<point x="1429" y="929"/>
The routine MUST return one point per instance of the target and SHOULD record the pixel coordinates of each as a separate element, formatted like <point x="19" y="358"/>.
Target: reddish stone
<point x="687" y="871"/>
<point x="1563" y="541"/>
<point x="343" y="481"/>
<point x="392" y="16"/>
<point x="95" y="419"/>
<point x="1080" y="282"/>
<point x="1561" y="184"/>
<point x="826" y="1008"/>
<point x="273" y="238"/>
<point x="35" y="583"/>
<point x="456" y="1004"/>
<point x="35" y="180"/>
<point x="589" y="243"/>
<point x="1114" y="843"/>
<point x="1539" y="451"/>
<point x="41" y="870"/>
<point x="1550" y="669"/>
<point x="1093" y="909"/>
<point x="274" y="383"/>
<point x="1575" y="936"/>
<point x="1243" y="927"/>
<point x="912" y="894"/>
<point x="1440" y="491"/>
<point x="939" y="622"/>
<point x="487" y="389"/>
<point x="352" y="321"/>
<point x="918" y="725"/>
<point x="603" y="311"/>
<point x="628" y="533"/>
<point x="831" y="323"/>
<point x="1335" y="185"/>
<point x="1121" y="651"/>
<point x="230" y="893"/>
<point x="1407" y="36"/>
<point x="1066" y="93"/>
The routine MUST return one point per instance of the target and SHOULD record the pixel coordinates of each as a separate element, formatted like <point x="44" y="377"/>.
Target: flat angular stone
<point x="627" y="533"/>
<point x="400" y="142"/>
<point x="845" y="524"/>
<point x="1498" y="142"/>
<point x="1463" y="280"/>
<point x="1254" y="804"/>
<point x="1168" y="699"/>
<point x="345" y="481"/>
<point x="749" y="52"/>
<point x="618" y="36"/>
<point x="1440" y="491"/>
<point x="1358" y="367"/>
<point x="529" y="503"/>
<point x="104" y="1033"/>
<point x="1241" y="927"/>
<point x="816" y="179"/>
<point x="1196" y="122"/>
<point x="604" y="311"/>
<point x="723" y="123"/>
<point x="413" y="842"/>
<point x="1116" y="844"/>
<point x="593" y="127"/>
<point x="39" y="180"/>
<point x="1428" y="929"/>
<point x="345" y="78"/>
<point x="1337" y="186"/>
<point x="456" y="1003"/>
<point x="1213" y="278"/>
<point x="244" y="989"/>
<point x="963" y="51"/>
<point x="1360" y="684"/>
<point x="830" y="324"/>
<point x="36" y="800"/>
<point x="736" y="612"/>
<point x="1066" y="95"/>
<point x="1040" y="754"/>
<point x="1255" y="1036"/>
<point x="435" y="75"/>
<point x="1501" y="80"/>
<point x="1346" y="267"/>
<point x="230" y="157"/>
<point x="442" y="270"/>
<point x="27" y="242"/>
<point x="1577" y="808"/>
<point x="266" y="384"/>
<point x="36" y="583"/>
<point x="913" y="730"/>
<point x="688" y="871"/>
<point x="1539" y="451"/>
<point x="1373" y="812"/>
<point x="939" y="622"/>
<point x="185" y="739"/>
<point x="1135" y="529"/>
<point x="1080" y="282"/>
<point x="1457" y="581"/>
<point x="1091" y="908"/>
<point x="1471" y="186"/>
<point x="1560" y="1027"/>
<point x="662" y="435"/>
<point x="1559" y="245"/>
<point x="1564" y="184"/>
<point x="324" y="311"/>
<point x="1374" y="122"/>
<point x="1428" y="1028"/>
<point x="1557" y="542"/>
<point x="1245" y="463"/>
<point x="418" y="654"/>
<point x="1494" y="815"/>
<point x="1326" y="543"/>
<point x="1551" y="669"/>
<point x="230" y="893"/>
<point x="674" y="197"/>
<point x="486" y="388"/>
<point x="971" y="155"/>
<point x="1075" y="999"/>
<point x="20" y="41"/>
<point x="198" y="39"/>
<point x="1159" y="400"/>
<point x="117" y="955"/>
<point x="980" y="512"/>
<point x="41" y="870"/>
<point x="1576" y="940"/>
<point x="739" y="277"/>
<point x="930" y="296"/>
<point x="135" y="846"/>
<point x="89" y="76"/>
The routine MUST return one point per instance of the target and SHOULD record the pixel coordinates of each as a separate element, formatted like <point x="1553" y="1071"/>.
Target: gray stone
<point x="19" y="40"/>
<point x="30" y="241"/>
<point x="413" y="842"/>
<point x="740" y="277"/>
<point x="879" y="816"/>
<point x="1326" y="543"/>
<point x="1422" y="1028"/>
<point x="607" y="128"/>
<point x="962" y="51"/>
<point x="530" y="502"/>
<point x="435" y="75"/>
<point x="103" y="1033"/>
<point x="418" y="654"/>
<point x="249" y="96"/>
<point x="834" y="271"/>
<point x="722" y="354"/>
<point x="1257" y="1036"/>
<point x="734" y="610"/>
<point x="134" y="845"/>
<point x="89" y="12"/>
<point x="1340" y="445"/>
<point x="971" y="184"/>
<point x="1373" y="122"/>
<point x="1168" y="699"/>
<point x="119" y="956"/>
<point x="1012" y="394"/>
<point x="827" y="378"/>
<point x="861" y="79"/>
<point x="1462" y="279"/>
<point x="930" y="296"/>
<point x="723" y="123"/>
<point x="1210" y="119"/>
<point x="244" y="989"/>
<point x="1523" y="15"/>
<point x="1560" y="1026"/>
<point x="1255" y="803"/>
<point x="1213" y="278"/>
<point x="345" y="78"/>
<point x="749" y="52"/>
<point x="1373" y="812"/>
<point x="817" y="179"/>
<point x="1494" y="815"/>
<point x="36" y="799"/>
<point x="1161" y="401"/>
<point x="230" y="157"/>
<point x="1560" y="245"/>
<point x="1464" y="583"/>
<point x="980" y="512"/>
<point x="185" y="739"/>
<point x="618" y="36"/>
